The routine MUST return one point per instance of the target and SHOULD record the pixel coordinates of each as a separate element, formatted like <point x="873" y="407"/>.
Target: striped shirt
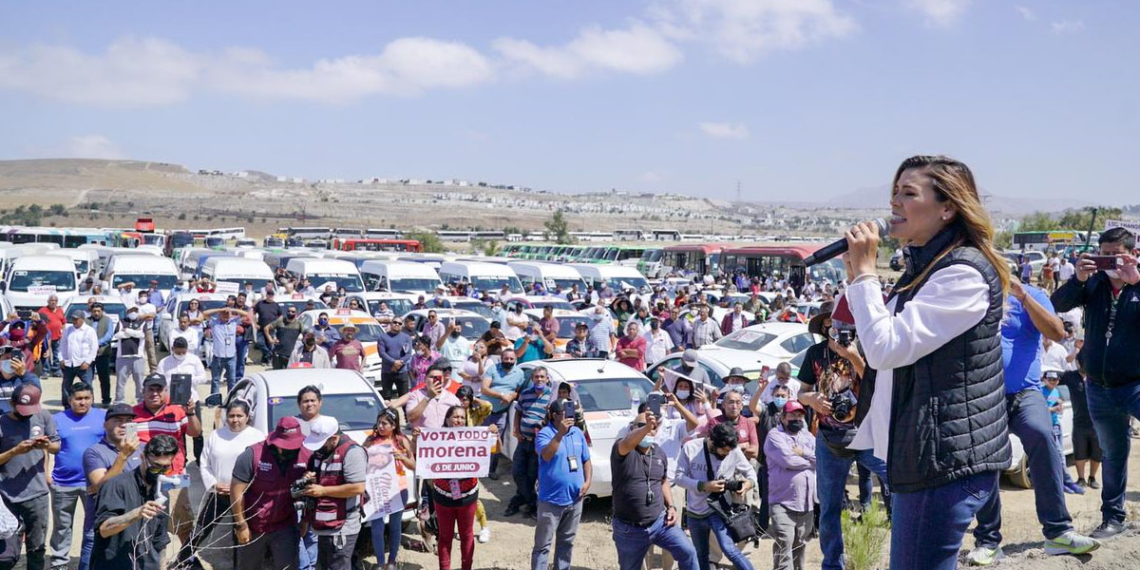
<point x="532" y="405"/>
<point x="169" y="420"/>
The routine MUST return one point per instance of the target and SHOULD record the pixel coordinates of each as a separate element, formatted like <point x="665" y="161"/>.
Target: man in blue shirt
<point x="564" y="476"/>
<point x="533" y="346"/>
<point x="223" y="323"/>
<point x="1029" y="315"/>
<point x="79" y="427"/>
<point x="500" y="388"/>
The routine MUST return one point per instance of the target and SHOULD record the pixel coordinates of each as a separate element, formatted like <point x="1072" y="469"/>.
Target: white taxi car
<point x="368" y="331"/>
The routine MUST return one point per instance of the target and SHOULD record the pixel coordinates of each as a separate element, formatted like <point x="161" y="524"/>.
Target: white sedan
<point x="767" y="343"/>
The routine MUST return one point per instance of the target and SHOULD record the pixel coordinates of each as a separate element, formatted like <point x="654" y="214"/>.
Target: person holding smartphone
<point x="564" y="476"/>
<point x="13" y="374"/>
<point x="1107" y="286"/>
<point x="27" y="433"/>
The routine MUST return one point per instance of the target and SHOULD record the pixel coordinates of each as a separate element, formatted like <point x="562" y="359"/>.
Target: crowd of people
<point x="917" y="383"/>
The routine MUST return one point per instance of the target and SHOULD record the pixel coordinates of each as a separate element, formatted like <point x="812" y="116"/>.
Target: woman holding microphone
<point x="934" y="360"/>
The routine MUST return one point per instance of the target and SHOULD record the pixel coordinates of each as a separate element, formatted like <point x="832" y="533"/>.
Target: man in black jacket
<point x="1111" y="301"/>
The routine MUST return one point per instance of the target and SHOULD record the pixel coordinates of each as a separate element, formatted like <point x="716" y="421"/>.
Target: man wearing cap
<point x="691" y="367"/>
<point x="581" y="346"/>
<point x="157" y="417"/>
<point x="53" y="316"/>
<point x="77" y="349"/>
<point x="13" y="373"/>
<point x="395" y="349"/>
<point x="338" y="468"/>
<point x="79" y="427"/>
<point x="309" y="352"/>
<point x="347" y="353"/>
<point x="223" y="324"/>
<point x="830" y="368"/>
<point x="130" y="519"/>
<point x="105" y="329"/>
<point x="265" y="519"/>
<point x="283" y="335"/>
<point x="790" y="450"/>
<point x="26" y="433"/>
<point x="130" y="361"/>
<point x="266" y="310"/>
<point x="115" y="453"/>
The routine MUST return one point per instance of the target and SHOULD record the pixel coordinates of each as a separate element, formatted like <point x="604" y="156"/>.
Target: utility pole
<point x="1092" y="224"/>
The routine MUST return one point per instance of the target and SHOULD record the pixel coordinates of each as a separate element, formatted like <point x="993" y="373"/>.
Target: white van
<point x="322" y="271"/>
<point x="551" y="275"/>
<point x="10" y="252"/>
<point x="84" y="259"/>
<point x="618" y="276"/>
<point x="399" y="277"/>
<point x="489" y="277"/>
<point x="140" y="270"/>
<point x="238" y="270"/>
<point x="34" y="278"/>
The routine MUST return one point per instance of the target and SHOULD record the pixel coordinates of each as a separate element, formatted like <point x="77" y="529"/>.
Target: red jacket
<point x="726" y="323"/>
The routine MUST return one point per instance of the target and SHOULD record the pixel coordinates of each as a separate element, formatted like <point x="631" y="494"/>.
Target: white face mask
<point x="683" y="394"/>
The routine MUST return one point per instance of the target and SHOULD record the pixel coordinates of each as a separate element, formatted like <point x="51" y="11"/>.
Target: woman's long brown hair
<point x="953" y="182"/>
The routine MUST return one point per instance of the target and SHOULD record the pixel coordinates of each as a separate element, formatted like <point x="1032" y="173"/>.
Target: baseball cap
<point x="26" y="399"/>
<point x="120" y="411"/>
<point x="689" y="357"/>
<point x="287" y="435"/>
<point x="320" y="430"/>
<point x="154" y="380"/>
<point x="793" y="406"/>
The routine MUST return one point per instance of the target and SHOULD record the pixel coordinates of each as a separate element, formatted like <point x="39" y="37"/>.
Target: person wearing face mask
<point x="602" y="332"/>
<point x="500" y="388"/>
<point x="326" y="334"/>
<point x="147" y="314"/>
<point x="783" y="378"/>
<point x="130" y="524"/>
<point x="105" y="329"/>
<point x="1111" y="302"/>
<point x="337" y="466"/>
<point x="422" y="359"/>
<point x="644" y="513"/>
<point x="27" y="434"/>
<point x="659" y="343"/>
<point x="283" y="334"/>
<point x="790" y="450"/>
<point x="115" y="453"/>
<point x="704" y="469"/>
<point x="347" y="353"/>
<point x="533" y="398"/>
<point x="310" y="352"/>
<point x="453" y="346"/>
<point x="130" y="360"/>
<point x="265" y="520"/>
<point x="395" y="349"/>
<point x="181" y="361"/>
<point x="13" y="373"/>
<point x="767" y="417"/>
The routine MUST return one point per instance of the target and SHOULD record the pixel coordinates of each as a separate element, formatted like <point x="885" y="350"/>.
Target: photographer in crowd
<point x="1107" y="286"/>
<point x="130" y="519"/>
<point x="708" y="468"/>
<point x="334" y="478"/>
<point x="830" y="381"/>
<point x="564" y="477"/>
<point x="265" y="517"/>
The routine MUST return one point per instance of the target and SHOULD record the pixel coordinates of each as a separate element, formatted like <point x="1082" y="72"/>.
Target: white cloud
<point x="134" y="72"/>
<point x="1068" y="26"/>
<point x="725" y="130"/>
<point x="639" y="50"/>
<point x="744" y="30"/>
<point x="81" y="146"/>
<point x="650" y="176"/>
<point x="940" y="12"/>
<point x="1026" y="13"/>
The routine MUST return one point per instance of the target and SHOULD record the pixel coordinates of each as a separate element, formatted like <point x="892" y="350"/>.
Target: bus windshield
<point x="58" y="280"/>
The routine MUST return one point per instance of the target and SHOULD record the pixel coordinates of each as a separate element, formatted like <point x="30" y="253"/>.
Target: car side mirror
<point x="214" y="400"/>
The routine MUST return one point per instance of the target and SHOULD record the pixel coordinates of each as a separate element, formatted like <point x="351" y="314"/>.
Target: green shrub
<point x="865" y="537"/>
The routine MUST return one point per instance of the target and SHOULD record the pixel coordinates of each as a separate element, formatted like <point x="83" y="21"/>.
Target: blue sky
<point x="796" y="99"/>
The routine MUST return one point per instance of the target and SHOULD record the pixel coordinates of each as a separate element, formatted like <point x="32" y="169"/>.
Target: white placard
<point x="454" y="453"/>
<point x="227" y="287"/>
<point x="42" y="290"/>
<point x="1133" y="227"/>
<point x="382" y="484"/>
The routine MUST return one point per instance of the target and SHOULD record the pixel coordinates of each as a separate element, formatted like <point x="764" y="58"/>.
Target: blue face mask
<point x="780" y="401"/>
<point x="323" y="322"/>
<point x="646" y="442"/>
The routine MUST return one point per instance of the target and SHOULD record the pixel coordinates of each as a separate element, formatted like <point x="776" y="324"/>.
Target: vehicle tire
<point x="1020" y="476"/>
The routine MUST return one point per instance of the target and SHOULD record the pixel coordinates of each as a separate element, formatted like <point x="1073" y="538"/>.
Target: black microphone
<point x="838" y="248"/>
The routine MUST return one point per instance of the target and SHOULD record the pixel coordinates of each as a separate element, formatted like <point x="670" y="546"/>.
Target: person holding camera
<point x="27" y="434"/>
<point x="265" y="516"/>
<point x="791" y="454"/>
<point x="336" y="471"/>
<point x="1107" y="286"/>
<point x="13" y="374"/>
<point x="709" y="468"/>
<point x="564" y="476"/>
<point x="643" y="511"/>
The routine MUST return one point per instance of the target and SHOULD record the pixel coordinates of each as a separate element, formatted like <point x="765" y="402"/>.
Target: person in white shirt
<point x="180" y="361"/>
<point x="77" y="351"/>
<point x="783" y="378"/>
<point x="129" y="359"/>
<point x="219" y="454"/>
<point x="147" y="314"/>
<point x="658" y="343"/>
<point x="454" y="348"/>
<point x="1054" y="356"/>
<point x="191" y="333"/>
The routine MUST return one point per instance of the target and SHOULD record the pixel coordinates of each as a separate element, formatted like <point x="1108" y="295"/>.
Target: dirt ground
<point x="512" y="538"/>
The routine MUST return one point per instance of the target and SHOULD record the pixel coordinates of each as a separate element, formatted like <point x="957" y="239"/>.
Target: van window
<point x="143" y="280"/>
<point x="413" y="284"/>
<point x="22" y="280"/>
<point x="350" y="283"/>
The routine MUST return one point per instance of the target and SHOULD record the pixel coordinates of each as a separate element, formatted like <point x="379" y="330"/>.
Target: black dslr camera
<point x="843" y="405"/>
<point x="301" y="502"/>
<point x="845" y="337"/>
<point x="735" y="485"/>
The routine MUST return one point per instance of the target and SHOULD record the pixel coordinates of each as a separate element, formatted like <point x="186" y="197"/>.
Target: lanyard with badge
<point x="572" y="458"/>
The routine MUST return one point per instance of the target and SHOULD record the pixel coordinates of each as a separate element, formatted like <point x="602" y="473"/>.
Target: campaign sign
<point x="382" y="485"/>
<point x="454" y="453"/>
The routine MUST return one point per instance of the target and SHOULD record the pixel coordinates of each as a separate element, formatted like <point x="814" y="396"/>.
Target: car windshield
<point x="568" y="283"/>
<point x="746" y="340"/>
<point x="409" y="284"/>
<point x="612" y="394"/>
<point x="22" y="281"/>
<point x="351" y="283"/>
<point x="566" y="325"/>
<point x="399" y="307"/>
<point x="652" y="255"/>
<point x="81" y="266"/>
<point x="352" y="411"/>
<point x="495" y="284"/>
<point x="475" y="307"/>
<point x="473" y="327"/>
<point x="258" y="284"/>
<point x="626" y="282"/>
<point x="114" y="310"/>
<point x="165" y="282"/>
<point x="553" y="304"/>
<point x="302" y="306"/>
<point x="367" y="332"/>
